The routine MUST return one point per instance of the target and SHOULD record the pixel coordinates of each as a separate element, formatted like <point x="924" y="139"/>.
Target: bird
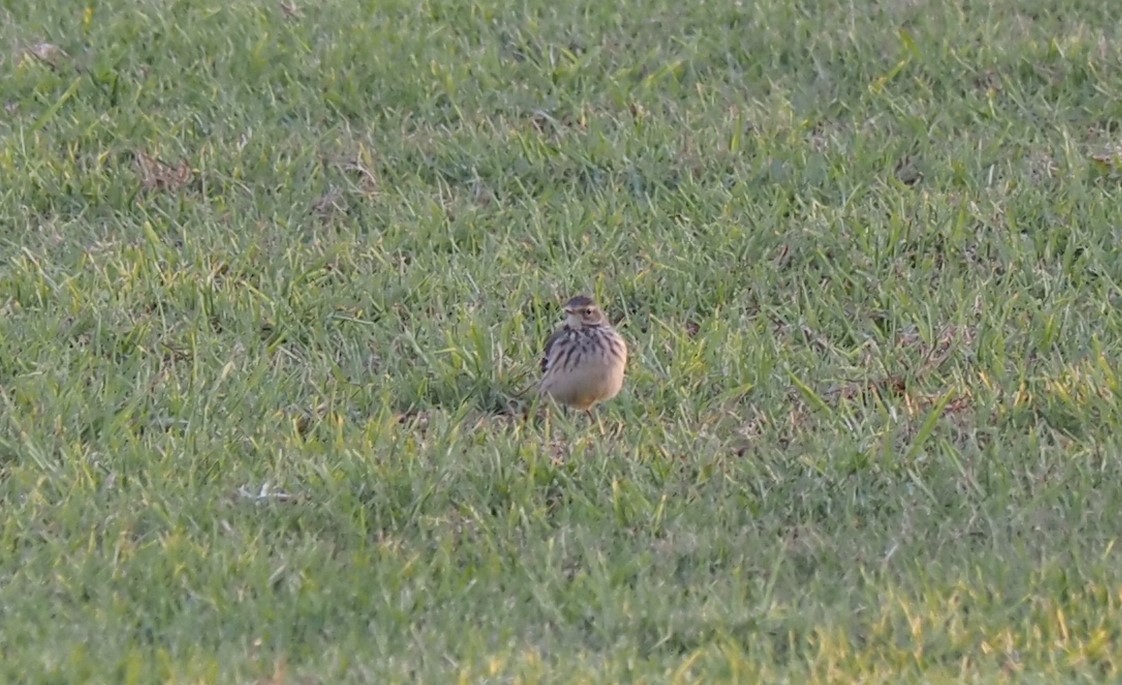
<point x="583" y="361"/>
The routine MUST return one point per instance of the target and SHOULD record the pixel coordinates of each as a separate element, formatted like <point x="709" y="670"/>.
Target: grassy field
<point x="275" y="277"/>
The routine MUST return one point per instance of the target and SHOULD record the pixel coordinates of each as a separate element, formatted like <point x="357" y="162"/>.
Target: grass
<point x="274" y="276"/>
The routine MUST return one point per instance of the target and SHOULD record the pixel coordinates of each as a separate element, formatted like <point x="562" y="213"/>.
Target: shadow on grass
<point x="482" y="396"/>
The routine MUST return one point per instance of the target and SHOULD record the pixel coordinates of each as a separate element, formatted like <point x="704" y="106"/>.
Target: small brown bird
<point x="584" y="360"/>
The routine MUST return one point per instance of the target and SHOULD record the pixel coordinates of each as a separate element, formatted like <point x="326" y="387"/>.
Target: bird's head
<point x="582" y="312"/>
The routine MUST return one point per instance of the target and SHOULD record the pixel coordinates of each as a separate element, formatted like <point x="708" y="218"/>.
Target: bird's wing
<point x="553" y="338"/>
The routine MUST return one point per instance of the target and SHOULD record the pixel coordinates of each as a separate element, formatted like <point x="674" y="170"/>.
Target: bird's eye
<point x="588" y="311"/>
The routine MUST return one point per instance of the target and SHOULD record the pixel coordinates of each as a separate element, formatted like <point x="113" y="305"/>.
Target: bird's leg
<point x="599" y="424"/>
